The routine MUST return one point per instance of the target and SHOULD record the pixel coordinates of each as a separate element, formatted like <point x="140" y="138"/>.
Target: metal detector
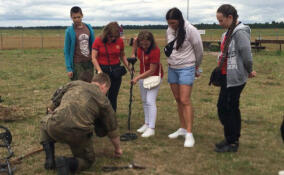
<point x="130" y="136"/>
<point x="129" y="166"/>
<point x="5" y="141"/>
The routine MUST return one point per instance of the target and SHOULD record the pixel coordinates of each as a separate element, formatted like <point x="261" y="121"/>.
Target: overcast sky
<point x="100" y="12"/>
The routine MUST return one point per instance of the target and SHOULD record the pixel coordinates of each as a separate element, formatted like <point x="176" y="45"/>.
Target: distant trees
<point x="273" y="24"/>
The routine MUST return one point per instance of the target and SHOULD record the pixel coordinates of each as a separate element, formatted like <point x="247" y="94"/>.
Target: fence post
<point x="2" y="48"/>
<point x="58" y="40"/>
<point x="23" y="38"/>
<point x="41" y="33"/>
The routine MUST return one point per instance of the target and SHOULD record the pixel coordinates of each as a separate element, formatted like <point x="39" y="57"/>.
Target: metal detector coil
<point x="128" y="136"/>
<point x="5" y="136"/>
<point x="5" y="141"/>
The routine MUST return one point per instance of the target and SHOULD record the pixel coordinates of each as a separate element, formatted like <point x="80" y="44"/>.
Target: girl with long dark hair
<point x="183" y="67"/>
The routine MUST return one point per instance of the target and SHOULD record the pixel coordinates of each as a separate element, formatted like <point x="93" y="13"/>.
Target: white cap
<point x="281" y="172"/>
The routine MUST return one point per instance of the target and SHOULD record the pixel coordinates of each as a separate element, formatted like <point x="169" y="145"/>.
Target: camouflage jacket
<point x="79" y="107"/>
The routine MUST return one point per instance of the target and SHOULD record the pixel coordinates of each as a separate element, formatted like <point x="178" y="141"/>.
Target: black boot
<point x="66" y="165"/>
<point x="221" y="144"/>
<point x="48" y="147"/>
<point x="228" y="147"/>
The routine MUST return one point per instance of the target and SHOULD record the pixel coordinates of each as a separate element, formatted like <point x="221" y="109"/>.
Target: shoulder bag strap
<point x="108" y="57"/>
<point x="173" y="41"/>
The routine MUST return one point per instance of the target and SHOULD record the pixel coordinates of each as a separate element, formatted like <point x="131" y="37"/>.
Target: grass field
<point x="28" y="78"/>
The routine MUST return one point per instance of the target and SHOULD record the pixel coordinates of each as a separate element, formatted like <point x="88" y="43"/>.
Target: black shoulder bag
<point x="115" y="72"/>
<point x="168" y="49"/>
<point x="216" y="74"/>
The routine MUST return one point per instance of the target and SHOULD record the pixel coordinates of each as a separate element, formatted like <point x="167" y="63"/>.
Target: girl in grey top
<point x="237" y="67"/>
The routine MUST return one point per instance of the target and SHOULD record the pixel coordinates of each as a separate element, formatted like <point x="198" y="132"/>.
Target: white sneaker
<point x="189" y="140"/>
<point x="149" y="132"/>
<point x="179" y="132"/>
<point x="281" y="172"/>
<point x="142" y="128"/>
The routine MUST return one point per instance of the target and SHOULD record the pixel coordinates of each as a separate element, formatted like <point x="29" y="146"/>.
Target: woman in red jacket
<point x="108" y="50"/>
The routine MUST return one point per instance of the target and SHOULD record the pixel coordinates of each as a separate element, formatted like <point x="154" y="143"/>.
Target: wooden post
<point x="58" y="40"/>
<point x="23" y="38"/>
<point x="41" y="33"/>
<point x="2" y="48"/>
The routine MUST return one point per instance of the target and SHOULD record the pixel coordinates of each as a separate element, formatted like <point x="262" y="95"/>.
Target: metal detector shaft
<point x="130" y="98"/>
<point x="130" y="136"/>
<point x="130" y="166"/>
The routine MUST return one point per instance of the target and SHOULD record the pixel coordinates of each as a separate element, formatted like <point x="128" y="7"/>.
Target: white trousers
<point x="149" y="104"/>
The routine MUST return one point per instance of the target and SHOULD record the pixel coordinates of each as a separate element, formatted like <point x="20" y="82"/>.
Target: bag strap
<point x="144" y="64"/>
<point x="173" y="41"/>
<point x="108" y="58"/>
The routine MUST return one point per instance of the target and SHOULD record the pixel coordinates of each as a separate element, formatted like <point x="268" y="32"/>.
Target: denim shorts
<point x="184" y="76"/>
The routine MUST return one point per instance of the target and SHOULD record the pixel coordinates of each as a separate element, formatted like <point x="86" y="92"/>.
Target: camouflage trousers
<point x="81" y="145"/>
<point x="80" y="68"/>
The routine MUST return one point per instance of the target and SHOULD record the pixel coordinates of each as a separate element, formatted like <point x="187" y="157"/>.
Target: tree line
<point x="267" y="25"/>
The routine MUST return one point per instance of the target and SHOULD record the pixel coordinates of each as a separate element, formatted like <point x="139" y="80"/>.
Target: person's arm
<point x="196" y="42"/>
<point x="124" y="60"/>
<point x="67" y="56"/>
<point x="116" y="144"/>
<point x="151" y="71"/>
<point x="92" y="37"/>
<point x="244" y="47"/>
<point x="95" y="61"/>
<point x="105" y="122"/>
<point x="108" y="120"/>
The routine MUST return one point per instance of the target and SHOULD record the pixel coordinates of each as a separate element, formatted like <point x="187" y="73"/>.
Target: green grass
<point x="28" y="78"/>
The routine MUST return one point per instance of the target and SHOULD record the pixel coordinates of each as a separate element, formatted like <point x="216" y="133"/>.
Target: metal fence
<point x="27" y="39"/>
<point x="54" y="38"/>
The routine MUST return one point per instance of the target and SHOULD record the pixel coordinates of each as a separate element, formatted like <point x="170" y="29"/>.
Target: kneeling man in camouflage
<point x="77" y="109"/>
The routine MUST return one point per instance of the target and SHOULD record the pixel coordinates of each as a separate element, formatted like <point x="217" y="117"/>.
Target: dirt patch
<point x="9" y="114"/>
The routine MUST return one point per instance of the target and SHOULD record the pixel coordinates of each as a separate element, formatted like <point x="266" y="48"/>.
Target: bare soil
<point x="8" y="113"/>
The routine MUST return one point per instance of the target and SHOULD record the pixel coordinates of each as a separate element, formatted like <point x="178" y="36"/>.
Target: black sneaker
<point x="221" y="144"/>
<point x="227" y="148"/>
